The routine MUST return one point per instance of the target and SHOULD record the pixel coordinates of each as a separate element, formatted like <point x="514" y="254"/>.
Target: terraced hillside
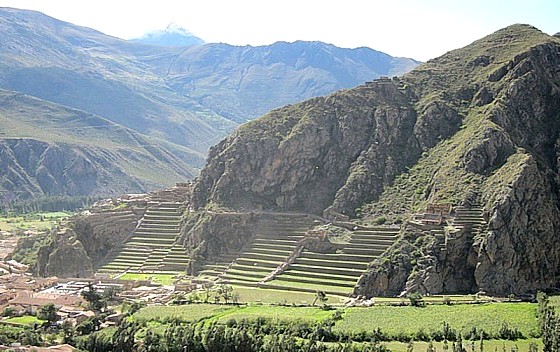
<point x="271" y="247"/>
<point x="470" y="218"/>
<point x="276" y="258"/>
<point x="336" y="273"/>
<point x="152" y="247"/>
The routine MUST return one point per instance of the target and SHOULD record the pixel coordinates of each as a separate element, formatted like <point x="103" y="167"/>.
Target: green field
<point x="163" y="279"/>
<point x="392" y="320"/>
<point x="461" y="317"/>
<point x="37" y="221"/>
<point x="223" y="314"/>
<point x="23" y="320"/>
<point x="272" y="296"/>
<point x="188" y="313"/>
<point x="276" y="314"/>
<point x="489" y="345"/>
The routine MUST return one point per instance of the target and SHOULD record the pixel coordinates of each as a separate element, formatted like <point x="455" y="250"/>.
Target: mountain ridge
<point x="50" y="150"/>
<point x="478" y="127"/>
<point x="146" y="67"/>
<point x="152" y="89"/>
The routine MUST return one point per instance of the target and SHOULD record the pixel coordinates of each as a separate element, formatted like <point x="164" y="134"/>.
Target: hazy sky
<point x="421" y="29"/>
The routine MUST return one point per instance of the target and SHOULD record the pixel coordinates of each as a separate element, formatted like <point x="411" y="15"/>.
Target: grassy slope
<point x="409" y="320"/>
<point x="24" y="117"/>
<point x="491" y="345"/>
<point x="458" y="69"/>
<point x="392" y="320"/>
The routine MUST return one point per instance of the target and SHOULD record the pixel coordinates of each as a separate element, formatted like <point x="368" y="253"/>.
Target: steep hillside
<point x="192" y="97"/>
<point x="47" y="149"/>
<point x="478" y="127"/>
<point x="87" y="70"/>
<point x="243" y="82"/>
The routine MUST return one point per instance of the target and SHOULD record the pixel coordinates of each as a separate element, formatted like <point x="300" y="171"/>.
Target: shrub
<point x="380" y="220"/>
<point x="416" y="299"/>
<point x="507" y="333"/>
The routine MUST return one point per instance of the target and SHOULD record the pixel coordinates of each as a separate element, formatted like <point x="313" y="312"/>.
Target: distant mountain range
<point x="189" y="97"/>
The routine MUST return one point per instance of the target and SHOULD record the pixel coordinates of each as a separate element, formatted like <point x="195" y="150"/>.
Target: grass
<point x="441" y="166"/>
<point x="276" y="314"/>
<point x="38" y="221"/>
<point x="272" y="296"/>
<point x="163" y="279"/>
<point x="344" y="291"/>
<point x="187" y="313"/>
<point x="23" y="320"/>
<point x="222" y="313"/>
<point x="408" y="320"/>
<point x="392" y="320"/>
<point x="489" y="345"/>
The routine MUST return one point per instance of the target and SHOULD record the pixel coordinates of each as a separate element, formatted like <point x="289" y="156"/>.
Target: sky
<point x="420" y="29"/>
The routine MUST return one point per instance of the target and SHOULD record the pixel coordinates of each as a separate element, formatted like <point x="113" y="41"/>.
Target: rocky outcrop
<point x="208" y="235"/>
<point x="519" y="253"/>
<point x="84" y="243"/>
<point x="422" y="262"/>
<point x="341" y="149"/>
<point x="490" y="153"/>
<point x="102" y="233"/>
<point x="64" y="257"/>
<point x="478" y="125"/>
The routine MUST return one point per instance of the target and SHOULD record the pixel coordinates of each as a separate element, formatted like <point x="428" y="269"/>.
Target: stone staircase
<point x="339" y="272"/>
<point x="153" y="245"/>
<point x="463" y="219"/>
<point x="469" y="218"/>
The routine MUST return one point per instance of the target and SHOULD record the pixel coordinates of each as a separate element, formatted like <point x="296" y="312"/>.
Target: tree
<point x="110" y="293"/>
<point x="416" y="299"/>
<point x="8" y="312"/>
<point x="68" y="333"/>
<point x="88" y="326"/>
<point x="48" y="313"/>
<point x="225" y="291"/>
<point x="124" y="338"/>
<point x="94" y="299"/>
<point x="550" y="324"/>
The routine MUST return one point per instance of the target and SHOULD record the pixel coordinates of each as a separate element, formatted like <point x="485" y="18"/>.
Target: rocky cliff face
<point x="477" y="126"/>
<point x="83" y="244"/>
<point x="520" y="252"/>
<point x="213" y="234"/>
<point x="51" y="150"/>
<point x="33" y="168"/>
<point x="307" y="156"/>
<point x="64" y="257"/>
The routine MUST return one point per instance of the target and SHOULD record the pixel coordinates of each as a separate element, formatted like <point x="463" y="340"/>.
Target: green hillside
<point x="50" y="149"/>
